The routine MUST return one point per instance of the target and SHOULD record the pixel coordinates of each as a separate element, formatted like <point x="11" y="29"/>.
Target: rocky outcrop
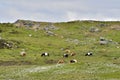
<point x="9" y="44"/>
<point x="27" y="24"/>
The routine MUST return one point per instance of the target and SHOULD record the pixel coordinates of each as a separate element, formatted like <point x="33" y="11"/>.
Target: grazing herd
<point x="67" y="54"/>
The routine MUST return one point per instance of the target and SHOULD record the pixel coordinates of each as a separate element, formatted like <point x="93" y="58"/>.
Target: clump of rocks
<point x="8" y="44"/>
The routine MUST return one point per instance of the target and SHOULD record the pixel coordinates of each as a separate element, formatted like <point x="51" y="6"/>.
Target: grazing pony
<point x="65" y="55"/>
<point x="89" y="54"/>
<point x="67" y="51"/>
<point x="60" y="61"/>
<point x="73" y="61"/>
<point x="72" y="54"/>
<point x="45" y="54"/>
<point x="23" y="53"/>
<point x="103" y="41"/>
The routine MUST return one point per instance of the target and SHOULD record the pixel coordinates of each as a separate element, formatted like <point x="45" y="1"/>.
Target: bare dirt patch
<point x="11" y="63"/>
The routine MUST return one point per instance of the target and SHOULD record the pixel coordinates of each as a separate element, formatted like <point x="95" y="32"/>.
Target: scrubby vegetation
<point x="79" y="37"/>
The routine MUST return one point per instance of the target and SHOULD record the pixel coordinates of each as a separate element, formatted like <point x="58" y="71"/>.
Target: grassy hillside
<point x="77" y="36"/>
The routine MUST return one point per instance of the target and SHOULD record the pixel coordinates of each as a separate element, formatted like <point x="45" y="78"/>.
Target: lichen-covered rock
<point x="9" y="44"/>
<point x="27" y="24"/>
<point x="50" y="27"/>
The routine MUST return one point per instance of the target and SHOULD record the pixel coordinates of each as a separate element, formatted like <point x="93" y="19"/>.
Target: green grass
<point x="103" y="65"/>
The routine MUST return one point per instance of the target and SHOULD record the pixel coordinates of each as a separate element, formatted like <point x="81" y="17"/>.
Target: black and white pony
<point x="73" y="61"/>
<point x="103" y="41"/>
<point x="89" y="54"/>
<point x="45" y="54"/>
<point x="65" y="55"/>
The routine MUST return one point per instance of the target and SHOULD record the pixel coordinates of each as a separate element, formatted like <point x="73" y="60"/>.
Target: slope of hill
<point x="79" y="37"/>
